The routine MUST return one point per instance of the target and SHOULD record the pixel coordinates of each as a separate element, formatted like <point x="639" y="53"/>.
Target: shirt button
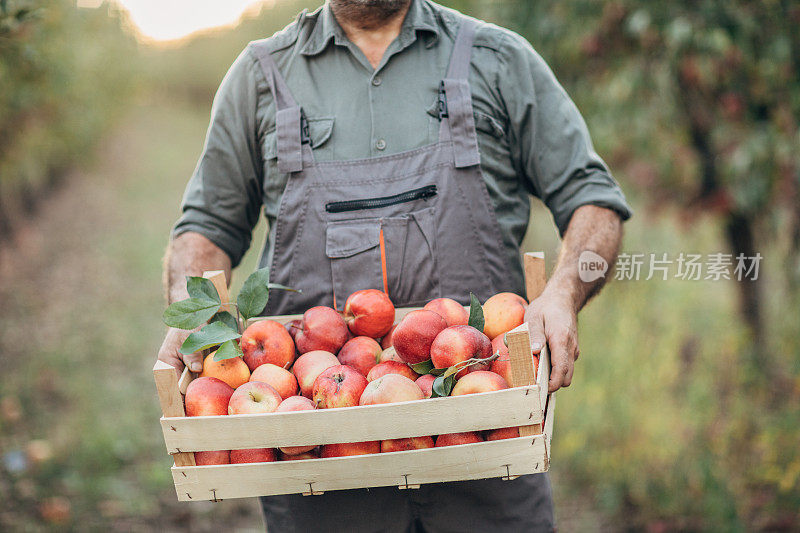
<point x="376" y="81"/>
<point x="381" y="144"/>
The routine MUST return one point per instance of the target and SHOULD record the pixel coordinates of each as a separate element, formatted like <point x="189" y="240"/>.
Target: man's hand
<point x="170" y="351"/>
<point x="552" y="317"/>
<point x="189" y="254"/>
<point x="553" y="321"/>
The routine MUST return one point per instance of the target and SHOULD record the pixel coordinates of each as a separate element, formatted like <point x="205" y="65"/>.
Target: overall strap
<point x="291" y="126"/>
<point x="455" y="105"/>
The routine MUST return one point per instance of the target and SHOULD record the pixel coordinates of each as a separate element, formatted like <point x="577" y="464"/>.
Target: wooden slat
<point x="535" y="274"/>
<point x="549" y="418"/>
<point x="524" y="455"/>
<point x="523" y="370"/>
<point x="217" y="277"/>
<point x="472" y="412"/>
<point x="186" y="377"/>
<point x="166" y="378"/>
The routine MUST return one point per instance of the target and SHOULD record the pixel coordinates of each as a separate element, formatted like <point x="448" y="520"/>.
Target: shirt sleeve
<point x="223" y="197"/>
<point x="549" y="139"/>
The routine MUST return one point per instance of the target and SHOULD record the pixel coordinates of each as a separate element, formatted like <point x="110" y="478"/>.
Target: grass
<point x="664" y="427"/>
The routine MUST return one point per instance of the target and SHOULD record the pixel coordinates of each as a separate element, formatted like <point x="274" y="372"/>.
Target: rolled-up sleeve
<point x="549" y="139"/>
<point x="223" y="197"/>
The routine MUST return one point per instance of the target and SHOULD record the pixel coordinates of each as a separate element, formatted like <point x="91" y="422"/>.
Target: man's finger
<point x="194" y="361"/>
<point x="172" y="359"/>
<point x="536" y="330"/>
<point x="560" y="357"/>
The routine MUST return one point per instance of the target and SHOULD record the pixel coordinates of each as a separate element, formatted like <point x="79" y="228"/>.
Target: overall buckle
<point x="442" y="101"/>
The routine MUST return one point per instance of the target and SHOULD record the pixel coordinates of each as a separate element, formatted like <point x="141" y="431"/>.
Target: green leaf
<point x="476" y="319"/>
<point x="254" y="295"/>
<point x="422" y="368"/>
<point x="211" y="335"/>
<point x="442" y="386"/>
<point x="227" y="319"/>
<point x="190" y="313"/>
<point x="202" y="288"/>
<point x="228" y="350"/>
<point x="437" y="371"/>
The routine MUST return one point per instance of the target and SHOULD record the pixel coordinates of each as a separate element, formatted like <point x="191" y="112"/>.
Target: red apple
<point x="453" y="439"/>
<point x="399" y="445"/>
<point x="207" y="396"/>
<point x="309" y="366"/>
<point x="413" y="336"/>
<point x="386" y="341"/>
<point x="278" y="378"/>
<point x="296" y="403"/>
<point x="501" y="365"/>
<point x="453" y="312"/>
<point x="426" y="384"/>
<point x="313" y="454"/>
<point x="294" y="327"/>
<point x="351" y="448"/>
<point x="322" y="329"/>
<point x="252" y="398"/>
<point x="253" y="455"/>
<point x="362" y="353"/>
<point x="479" y="381"/>
<point x="213" y="457"/>
<point x="338" y="386"/>
<point x="502" y="313"/>
<point x="391" y="367"/>
<point x="369" y="312"/>
<point x="390" y="388"/>
<point x="267" y="341"/>
<point x="503" y="433"/>
<point x="460" y="343"/>
<point x="390" y="354"/>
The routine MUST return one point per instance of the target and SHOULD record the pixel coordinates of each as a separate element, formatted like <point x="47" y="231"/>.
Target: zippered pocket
<point x="422" y="193"/>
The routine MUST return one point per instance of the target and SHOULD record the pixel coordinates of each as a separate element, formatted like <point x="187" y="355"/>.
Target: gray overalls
<point x="419" y="225"/>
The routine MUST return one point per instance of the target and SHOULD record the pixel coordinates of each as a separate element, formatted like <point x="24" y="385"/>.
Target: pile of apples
<point x="327" y="360"/>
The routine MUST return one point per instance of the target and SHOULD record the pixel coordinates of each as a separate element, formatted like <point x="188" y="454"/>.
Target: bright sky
<point x="173" y="19"/>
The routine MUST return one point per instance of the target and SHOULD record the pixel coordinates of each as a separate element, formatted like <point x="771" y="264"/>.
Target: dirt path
<point x="79" y="329"/>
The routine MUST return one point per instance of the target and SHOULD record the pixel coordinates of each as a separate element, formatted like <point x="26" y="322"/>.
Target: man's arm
<point x="552" y="317"/>
<point x="189" y="254"/>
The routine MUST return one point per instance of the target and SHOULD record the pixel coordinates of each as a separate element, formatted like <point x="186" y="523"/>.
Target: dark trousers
<point x="487" y="505"/>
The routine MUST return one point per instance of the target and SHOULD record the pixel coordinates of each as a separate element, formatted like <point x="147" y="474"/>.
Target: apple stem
<point x="239" y="322"/>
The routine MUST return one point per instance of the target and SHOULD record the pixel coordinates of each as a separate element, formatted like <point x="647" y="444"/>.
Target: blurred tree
<point x="697" y="102"/>
<point x="65" y="73"/>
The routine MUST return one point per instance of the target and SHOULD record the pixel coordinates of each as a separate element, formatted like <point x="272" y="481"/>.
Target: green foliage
<point x="190" y="313"/>
<point x="443" y="386"/>
<point x="424" y="367"/>
<point x="228" y="350"/>
<point x="476" y="319"/>
<point x="227" y="319"/>
<point x="203" y="288"/>
<point x="66" y="73"/>
<point x="213" y="334"/>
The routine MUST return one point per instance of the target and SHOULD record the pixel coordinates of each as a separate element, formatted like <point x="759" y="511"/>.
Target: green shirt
<point x="531" y="137"/>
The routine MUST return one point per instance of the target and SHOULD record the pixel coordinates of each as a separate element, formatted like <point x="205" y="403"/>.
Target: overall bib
<point x="418" y="225"/>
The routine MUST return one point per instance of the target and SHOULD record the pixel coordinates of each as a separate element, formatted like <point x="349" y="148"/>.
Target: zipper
<point x="423" y="193"/>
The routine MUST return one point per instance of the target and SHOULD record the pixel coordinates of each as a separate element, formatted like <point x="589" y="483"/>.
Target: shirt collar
<point x="420" y="18"/>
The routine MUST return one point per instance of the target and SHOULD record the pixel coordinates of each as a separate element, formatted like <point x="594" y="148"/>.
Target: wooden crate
<point x="526" y="404"/>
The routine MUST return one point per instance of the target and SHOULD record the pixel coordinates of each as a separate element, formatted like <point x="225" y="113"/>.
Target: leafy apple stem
<point x="241" y="323"/>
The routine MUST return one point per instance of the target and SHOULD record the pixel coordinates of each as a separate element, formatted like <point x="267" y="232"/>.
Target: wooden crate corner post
<point x="523" y="370"/>
<point x="171" y="386"/>
<point x="171" y="399"/>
